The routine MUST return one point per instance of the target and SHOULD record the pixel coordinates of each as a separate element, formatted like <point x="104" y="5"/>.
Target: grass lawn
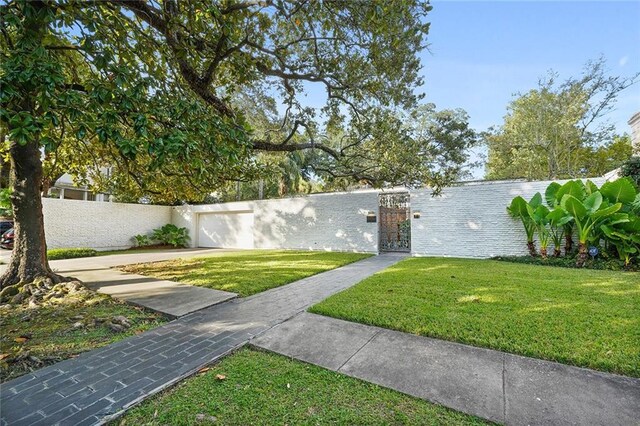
<point x="581" y="317"/>
<point x="246" y="272"/>
<point x="48" y="333"/>
<point x="261" y="388"/>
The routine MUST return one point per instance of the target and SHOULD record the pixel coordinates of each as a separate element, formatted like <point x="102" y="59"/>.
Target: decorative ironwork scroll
<point x="395" y="222"/>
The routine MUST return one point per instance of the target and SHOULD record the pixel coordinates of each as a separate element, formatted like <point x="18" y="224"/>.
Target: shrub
<point x="602" y="263"/>
<point x="171" y="235"/>
<point x="6" y="209"/>
<point x="631" y="169"/>
<point x="142" y="240"/>
<point x="607" y="217"/>
<point x="70" y="253"/>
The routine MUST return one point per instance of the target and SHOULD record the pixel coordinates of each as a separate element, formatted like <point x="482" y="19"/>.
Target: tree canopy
<point x="175" y="99"/>
<point x="559" y="130"/>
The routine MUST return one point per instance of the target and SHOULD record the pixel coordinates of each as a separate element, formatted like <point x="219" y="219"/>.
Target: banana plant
<point x="539" y="217"/>
<point x="588" y="215"/>
<point x="519" y="210"/>
<point x="553" y="197"/>
<point x="559" y="221"/>
<point x="625" y="237"/>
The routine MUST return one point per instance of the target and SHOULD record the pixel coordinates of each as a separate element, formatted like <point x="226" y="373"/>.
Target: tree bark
<point x="543" y="253"/>
<point x="581" y="260"/>
<point x="568" y="243"/>
<point x="29" y="257"/>
<point x="532" y="249"/>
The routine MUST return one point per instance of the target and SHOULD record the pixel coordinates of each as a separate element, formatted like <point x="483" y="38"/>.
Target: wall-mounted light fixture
<point x="416" y="214"/>
<point x="371" y="217"/>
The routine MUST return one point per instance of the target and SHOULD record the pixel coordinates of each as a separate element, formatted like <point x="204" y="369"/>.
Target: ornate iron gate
<point x="395" y="222"/>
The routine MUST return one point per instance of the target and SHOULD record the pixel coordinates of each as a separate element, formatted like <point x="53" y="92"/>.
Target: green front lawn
<point x="246" y="272"/>
<point x="258" y="388"/>
<point x="581" y="317"/>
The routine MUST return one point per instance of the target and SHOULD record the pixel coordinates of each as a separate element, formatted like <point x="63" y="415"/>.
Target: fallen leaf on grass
<point x="3" y="356"/>
<point x="204" y="370"/>
<point x="20" y="339"/>
<point x="220" y="376"/>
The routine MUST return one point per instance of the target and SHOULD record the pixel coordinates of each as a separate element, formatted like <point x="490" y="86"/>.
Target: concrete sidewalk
<point x="100" y="384"/>
<point x="167" y="297"/>
<point x="497" y="386"/>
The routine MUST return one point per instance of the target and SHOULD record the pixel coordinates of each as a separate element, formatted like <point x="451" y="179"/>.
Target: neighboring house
<point x="65" y="189"/>
<point x="634" y="122"/>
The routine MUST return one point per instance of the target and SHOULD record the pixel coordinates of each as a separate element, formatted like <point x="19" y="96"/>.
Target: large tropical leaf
<point x="518" y="207"/>
<point x="538" y="214"/>
<point x="593" y="202"/>
<point x="607" y="211"/>
<point x="574" y="188"/>
<point x="573" y="206"/>
<point x="559" y="217"/>
<point x="536" y="200"/>
<point x="619" y="191"/>
<point x="590" y="187"/>
<point x="550" y="194"/>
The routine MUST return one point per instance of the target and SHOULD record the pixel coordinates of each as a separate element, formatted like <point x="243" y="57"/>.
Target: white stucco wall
<point x="99" y="225"/>
<point x="334" y="221"/>
<point x="471" y="220"/>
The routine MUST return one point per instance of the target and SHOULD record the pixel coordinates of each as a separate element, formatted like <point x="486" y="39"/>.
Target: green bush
<point x="142" y="240"/>
<point x="631" y="169"/>
<point x="70" y="253"/>
<point x="601" y="263"/>
<point x="607" y="218"/>
<point x="6" y="209"/>
<point x="171" y="235"/>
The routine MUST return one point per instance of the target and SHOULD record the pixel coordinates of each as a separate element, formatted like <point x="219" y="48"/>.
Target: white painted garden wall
<point x="468" y="220"/>
<point x="334" y="222"/>
<point x="99" y="225"/>
<point x="471" y="220"/>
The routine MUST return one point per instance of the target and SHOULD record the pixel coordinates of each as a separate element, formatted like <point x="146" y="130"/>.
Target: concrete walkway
<point x="167" y="297"/>
<point x="504" y="388"/>
<point x="99" y="385"/>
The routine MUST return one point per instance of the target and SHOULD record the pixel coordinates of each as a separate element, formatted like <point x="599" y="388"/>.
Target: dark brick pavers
<point x="99" y="385"/>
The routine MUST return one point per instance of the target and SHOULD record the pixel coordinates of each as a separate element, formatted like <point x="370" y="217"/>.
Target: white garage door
<point x="226" y="230"/>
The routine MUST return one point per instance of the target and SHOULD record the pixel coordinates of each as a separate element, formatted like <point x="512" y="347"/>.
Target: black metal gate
<point x="395" y="222"/>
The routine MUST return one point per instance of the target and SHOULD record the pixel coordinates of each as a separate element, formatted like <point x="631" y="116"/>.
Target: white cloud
<point x="623" y="61"/>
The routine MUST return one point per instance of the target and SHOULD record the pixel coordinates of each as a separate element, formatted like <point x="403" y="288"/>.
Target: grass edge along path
<point x="584" y="318"/>
<point x="246" y="272"/>
<point x="253" y="386"/>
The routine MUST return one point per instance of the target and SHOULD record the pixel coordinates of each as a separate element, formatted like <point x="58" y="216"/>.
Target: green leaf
<point x="593" y="202"/>
<point x="619" y="191"/>
<point x="550" y="194"/>
<point x="607" y="211"/>
<point x="536" y="200"/>
<point x="573" y="206"/>
<point x="573" y="187"/>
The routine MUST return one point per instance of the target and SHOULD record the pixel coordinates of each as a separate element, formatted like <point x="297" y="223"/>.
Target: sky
<point x="481" y="53"/>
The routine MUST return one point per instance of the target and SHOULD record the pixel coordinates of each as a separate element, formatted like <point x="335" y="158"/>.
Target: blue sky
<point x="483" y="52"/>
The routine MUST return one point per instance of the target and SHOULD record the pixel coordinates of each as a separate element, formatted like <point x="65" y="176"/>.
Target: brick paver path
<point x="99" y="385"/>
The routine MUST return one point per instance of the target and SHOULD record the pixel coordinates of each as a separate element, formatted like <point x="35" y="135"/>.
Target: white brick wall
<point x="317" y="222"/>
<point x="466" y="221"/>
<point x="471" y="220"/>
<point x="99" y="225"/>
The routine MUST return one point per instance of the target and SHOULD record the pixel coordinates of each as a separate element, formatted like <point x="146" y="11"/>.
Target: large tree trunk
<point x="29" y="257"/>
